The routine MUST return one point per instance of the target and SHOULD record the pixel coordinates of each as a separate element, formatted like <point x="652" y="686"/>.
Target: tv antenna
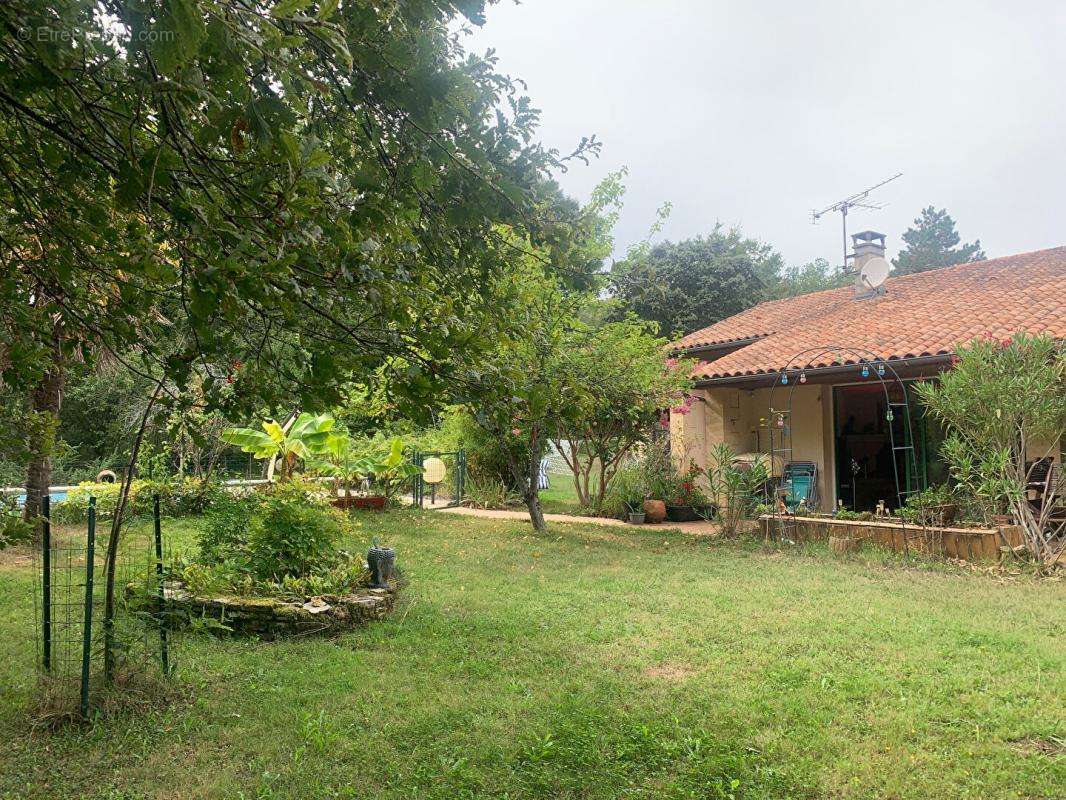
<point x="857" y="200"/>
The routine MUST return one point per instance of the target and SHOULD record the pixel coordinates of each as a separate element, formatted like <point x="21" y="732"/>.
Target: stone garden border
<point x="272" y="618"/>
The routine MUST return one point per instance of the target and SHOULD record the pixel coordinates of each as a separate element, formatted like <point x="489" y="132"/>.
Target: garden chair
<point x="799" y="486"/>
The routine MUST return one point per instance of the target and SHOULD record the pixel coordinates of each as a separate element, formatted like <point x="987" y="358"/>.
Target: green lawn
<point x="560" y="497"/>
<point x="592" y="663"/>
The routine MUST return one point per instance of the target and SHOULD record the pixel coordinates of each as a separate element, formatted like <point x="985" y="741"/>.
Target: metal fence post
<point x="46" y="579"/>
<point x="87" y="627"/>
<point x="462" y="475"/>
<point x="164" y="652"/>
<point x="419" y="487"/>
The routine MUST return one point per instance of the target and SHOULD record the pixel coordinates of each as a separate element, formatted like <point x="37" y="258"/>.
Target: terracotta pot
<point x="654" y="511"/>
<point x="375" y="502"/>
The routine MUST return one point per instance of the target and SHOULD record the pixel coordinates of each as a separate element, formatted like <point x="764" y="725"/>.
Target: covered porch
<point x="841" y="423"/>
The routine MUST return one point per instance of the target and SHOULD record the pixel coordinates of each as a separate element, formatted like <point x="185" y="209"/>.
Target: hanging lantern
<point x="890" y="416"/>
<point x="784" y="377"/>
<point x="881" y="370"/>
<point x="865" y="371"/>
<point x="803" y="377"/>
<point x="780" y="420"/>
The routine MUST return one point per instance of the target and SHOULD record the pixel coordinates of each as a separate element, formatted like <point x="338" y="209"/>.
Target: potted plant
<point x="687" y="502"/>
<point x="629" y="490"/>
<point x="636" y="511"/>
<point x="936" y="506"/>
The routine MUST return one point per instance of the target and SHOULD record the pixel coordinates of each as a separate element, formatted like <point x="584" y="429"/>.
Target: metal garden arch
<point x="869" y="364"/>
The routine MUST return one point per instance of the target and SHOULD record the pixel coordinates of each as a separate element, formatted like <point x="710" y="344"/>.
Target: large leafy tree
<point x="311" y="189"/>
<point x="308" y="188"/>
<point x="688" y="285"/>
<point x="814" y="276"/>
<point x="933" y="242"/>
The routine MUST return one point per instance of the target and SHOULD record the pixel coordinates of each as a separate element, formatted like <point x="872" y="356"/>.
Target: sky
<point x="756" y="112"/>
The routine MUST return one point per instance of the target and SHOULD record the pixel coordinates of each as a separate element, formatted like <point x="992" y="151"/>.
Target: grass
<point x="560" y="497"/>
<point x="591" y="663"/>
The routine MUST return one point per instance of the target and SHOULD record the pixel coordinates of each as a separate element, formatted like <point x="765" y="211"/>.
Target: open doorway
<point x="864" y="457"/>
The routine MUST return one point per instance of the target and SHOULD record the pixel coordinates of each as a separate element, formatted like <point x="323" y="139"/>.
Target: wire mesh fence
<point x="81" y="650"/>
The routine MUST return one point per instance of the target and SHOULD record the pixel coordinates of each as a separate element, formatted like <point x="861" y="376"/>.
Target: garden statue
<point x="381" y="561"/>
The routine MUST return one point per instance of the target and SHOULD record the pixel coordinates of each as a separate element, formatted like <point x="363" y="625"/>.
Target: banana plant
<point x="390" y="466"/>
<point x="307" y="437"/>
<point x="341" y="461"/>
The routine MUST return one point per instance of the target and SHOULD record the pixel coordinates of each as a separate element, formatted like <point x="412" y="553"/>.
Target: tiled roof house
<point x="804" y="357"/>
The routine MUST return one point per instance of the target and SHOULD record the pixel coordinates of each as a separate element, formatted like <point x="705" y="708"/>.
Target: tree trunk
<point x="531" y="488"/>
<point x="45" y="402"/>
<point x="111" y="555"/>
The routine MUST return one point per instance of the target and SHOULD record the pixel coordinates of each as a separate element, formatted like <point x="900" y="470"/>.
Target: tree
<point x="813" y="276"/>
<point x="528" y="391"/>
<point x="694" y="283"/>
<point x="933" y="243"/>
<point x="314" y="190"/>
<point x="211" y="183"/>
<point x="1002" y="403"/>
<point x="625" y="382"/>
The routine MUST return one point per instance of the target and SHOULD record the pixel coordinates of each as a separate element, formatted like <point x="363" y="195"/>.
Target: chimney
<point x="867" y="245"/>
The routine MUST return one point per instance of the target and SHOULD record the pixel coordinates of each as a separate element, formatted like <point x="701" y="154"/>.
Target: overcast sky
<point x="754" y="112"/>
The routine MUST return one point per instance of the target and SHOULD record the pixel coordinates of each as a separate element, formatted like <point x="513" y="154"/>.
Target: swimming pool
<point x="57" y="497"/>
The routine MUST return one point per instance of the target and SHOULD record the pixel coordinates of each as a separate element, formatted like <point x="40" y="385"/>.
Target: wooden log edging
<point x="969" y="544"/>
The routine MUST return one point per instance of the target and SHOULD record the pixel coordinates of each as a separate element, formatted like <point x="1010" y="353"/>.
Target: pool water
<point x="57" y="497"/>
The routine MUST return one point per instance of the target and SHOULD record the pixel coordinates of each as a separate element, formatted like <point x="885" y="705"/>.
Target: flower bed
<point x="970" y="544"/>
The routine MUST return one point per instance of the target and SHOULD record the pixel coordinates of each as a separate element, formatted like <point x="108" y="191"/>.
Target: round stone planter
<point x="272" y="618"/>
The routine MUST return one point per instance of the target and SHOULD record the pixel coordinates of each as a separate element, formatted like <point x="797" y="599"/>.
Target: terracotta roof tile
<point x="929" y="313"/>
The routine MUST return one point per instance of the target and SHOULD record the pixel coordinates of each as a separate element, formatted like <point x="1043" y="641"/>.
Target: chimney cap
<point x="868" y="237"/>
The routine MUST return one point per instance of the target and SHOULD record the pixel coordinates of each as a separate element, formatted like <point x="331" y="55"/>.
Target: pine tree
<point x="933" y="242"/>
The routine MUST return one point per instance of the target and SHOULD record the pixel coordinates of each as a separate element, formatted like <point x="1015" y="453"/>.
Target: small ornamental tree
<point x="1004" y="408"/>
<point x="528" y="389"/>
<point x="626" y="383"/>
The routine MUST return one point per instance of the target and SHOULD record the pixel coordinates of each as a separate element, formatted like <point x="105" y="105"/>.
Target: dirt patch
<point x="674" y="673"/>
<point x="1051" y="746"/>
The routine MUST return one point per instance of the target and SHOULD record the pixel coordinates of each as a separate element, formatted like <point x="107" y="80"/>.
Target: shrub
<point x="1002" y="399"/>
<point x="627" y="490"/>
<point x="291" y="535"/>
<point x="177" y="498"/>
<point x="224" y="534"/>
<point x="737" y="491"/>
<point x="286" y="530"/>
<point x="13" y="529"/>
<point x="489" y="492"/>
